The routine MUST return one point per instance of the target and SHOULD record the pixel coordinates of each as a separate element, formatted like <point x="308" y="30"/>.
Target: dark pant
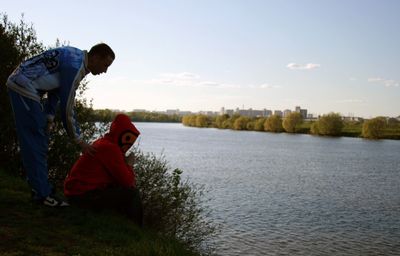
<point x="124" y="200"/>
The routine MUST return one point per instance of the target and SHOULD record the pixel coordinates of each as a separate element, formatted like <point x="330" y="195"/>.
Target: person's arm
<point x="70" y="79"/>
<point x="114" y="161"/>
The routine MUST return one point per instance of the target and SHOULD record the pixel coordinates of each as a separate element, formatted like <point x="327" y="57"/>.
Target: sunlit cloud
<point x="308" y="66"/>
<point x="385" y="82"/>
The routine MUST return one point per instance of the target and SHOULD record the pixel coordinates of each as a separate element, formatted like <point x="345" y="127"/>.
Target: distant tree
<point x="393" y="123"/>
<point x="330" y="124"/>
<point x="374" y="128"/>
<point x="259" y="124"/>
<point x="219" y="120"/>
<point x="273" y="124"/>
<point x="250" y="125"/>
<point x="201" y="121"/>
<point x="314" y="128"/>
<point x="241" y="123"/>
<point x="291" y="121"/>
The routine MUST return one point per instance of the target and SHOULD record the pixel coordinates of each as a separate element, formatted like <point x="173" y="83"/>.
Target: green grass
<point x="29" y="229"/>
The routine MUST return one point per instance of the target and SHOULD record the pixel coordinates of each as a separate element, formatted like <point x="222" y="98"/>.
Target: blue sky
<point x="340" y="56"/>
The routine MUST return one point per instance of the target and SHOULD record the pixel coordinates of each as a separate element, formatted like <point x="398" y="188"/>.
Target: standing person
<point x="54" y="74"/>
<point x="106" y="179"/>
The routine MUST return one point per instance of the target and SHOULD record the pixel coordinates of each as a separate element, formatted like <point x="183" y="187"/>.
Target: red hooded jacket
<point x="107" y="166"/>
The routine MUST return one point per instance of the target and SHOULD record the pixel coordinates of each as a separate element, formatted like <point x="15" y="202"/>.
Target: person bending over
<point x="106" y="179"/>
<point x="35" y="88"/>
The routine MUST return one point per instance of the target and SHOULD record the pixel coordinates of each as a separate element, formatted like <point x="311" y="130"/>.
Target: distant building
<point x="267" y="113"/>
<point x="139" y="110"/>
<point x="172" y="112"/>
<point x="286" y="112"/>
<point x="278" y="113"/>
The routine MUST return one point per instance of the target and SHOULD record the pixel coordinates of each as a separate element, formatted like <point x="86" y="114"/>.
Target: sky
<point x="326" y="56"/>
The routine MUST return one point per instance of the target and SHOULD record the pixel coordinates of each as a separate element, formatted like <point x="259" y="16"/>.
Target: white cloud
<point x="187" y="79"/>
<point x="385" y="82"/>
<point x="308" y="66"/>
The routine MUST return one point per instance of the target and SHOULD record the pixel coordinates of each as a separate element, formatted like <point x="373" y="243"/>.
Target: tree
<point x="293" y="120"/>
<point x="201" y="121"/>
<point x="330" y="124"/>
<point x="259" y="124"/>
<point x="374" y="128"/>
<point x="17" y="42"/>
<point x="273" y="124"/>
<point x="241" y="123"/>
<point x="219" y="120"/>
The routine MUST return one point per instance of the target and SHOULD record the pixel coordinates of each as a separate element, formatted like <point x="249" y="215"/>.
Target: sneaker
<point x="54" y="202"/>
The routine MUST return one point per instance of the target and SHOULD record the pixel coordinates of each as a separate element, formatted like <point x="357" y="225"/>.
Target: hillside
<point x="28" y="229"/>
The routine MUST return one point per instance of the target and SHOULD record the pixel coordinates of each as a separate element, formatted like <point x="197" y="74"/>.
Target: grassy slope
<point x="27" y="229"/>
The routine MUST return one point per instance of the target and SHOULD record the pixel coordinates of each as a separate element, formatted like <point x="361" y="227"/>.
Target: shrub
<point x="374" y="128"/>
<point x="171" y="205"/>
<point x="273" y="124"/>
<point x="330" y="124"/>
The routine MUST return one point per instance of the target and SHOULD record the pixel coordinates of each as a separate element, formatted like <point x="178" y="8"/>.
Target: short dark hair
<point x="102" y="50"/>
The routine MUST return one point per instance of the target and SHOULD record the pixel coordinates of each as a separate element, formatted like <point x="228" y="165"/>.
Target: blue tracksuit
<point x="57" y="73"/>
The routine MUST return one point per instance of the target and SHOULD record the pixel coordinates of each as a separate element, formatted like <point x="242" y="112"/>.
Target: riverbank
<point x="390" y="129"/>
<point x="27" y="229"/>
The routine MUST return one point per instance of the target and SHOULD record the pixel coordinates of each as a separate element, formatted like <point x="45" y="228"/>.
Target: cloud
<point x="308" y="66"/>
<point x="385" y="82"/>
<point x="187" y="79"/>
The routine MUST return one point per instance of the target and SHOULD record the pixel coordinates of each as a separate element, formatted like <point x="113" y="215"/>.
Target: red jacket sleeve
<point x="113" y="160"/>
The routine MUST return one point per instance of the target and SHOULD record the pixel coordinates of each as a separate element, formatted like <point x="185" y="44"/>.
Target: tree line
<point x="107" y="115"/>
<point x="331" y="124"/>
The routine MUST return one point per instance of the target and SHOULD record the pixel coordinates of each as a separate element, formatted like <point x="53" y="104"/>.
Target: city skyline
<point x="328" y="56"/>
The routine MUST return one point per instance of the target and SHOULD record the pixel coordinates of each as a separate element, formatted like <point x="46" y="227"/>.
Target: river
<point x="283" y="194"/>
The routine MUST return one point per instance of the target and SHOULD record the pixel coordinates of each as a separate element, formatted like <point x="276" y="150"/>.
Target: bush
<point x="374" y="128"/>
<point x="172" y="206"/>
<point x="273" y="124"/>
<point x="330" y="124"/>
<point x="292" y="121"/>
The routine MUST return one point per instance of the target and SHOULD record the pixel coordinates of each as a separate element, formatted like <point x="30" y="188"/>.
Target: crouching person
<point x="105" y="179"/>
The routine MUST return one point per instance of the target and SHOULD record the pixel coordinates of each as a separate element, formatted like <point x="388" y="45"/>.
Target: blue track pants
<point x="31" y="125"/>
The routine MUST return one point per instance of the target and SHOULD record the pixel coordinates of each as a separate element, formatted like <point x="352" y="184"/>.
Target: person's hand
<point x="87" y="148"/>
<point x="130" y="159"/>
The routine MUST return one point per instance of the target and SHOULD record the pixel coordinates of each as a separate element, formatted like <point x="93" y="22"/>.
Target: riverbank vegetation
<point x="331" y="124"/>
<point x="175" y="219"/>
<point x="107" y="115"/>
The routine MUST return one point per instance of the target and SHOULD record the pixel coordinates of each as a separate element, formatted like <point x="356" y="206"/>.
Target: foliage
<point x="17" y="42"/>
<point x="154" y="117"/>
<point x="241" y="123"/>
<point x="374" y="128"/>
<point x="330" y="124"/>
<point x="292" y="121"/>
<point x="219" y="121"/>
<point x="202" y="121"/>
<point x="273" y="124"/>
<point x="189" y="120"/>
<point x="259" y="124"/>
<point x="172" y="206"/>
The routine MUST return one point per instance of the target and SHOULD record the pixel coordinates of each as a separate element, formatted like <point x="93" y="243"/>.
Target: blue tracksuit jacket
<point x="58" y="73"/>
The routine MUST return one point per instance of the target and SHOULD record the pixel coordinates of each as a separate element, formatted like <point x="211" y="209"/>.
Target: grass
<point x="29" y="229"/>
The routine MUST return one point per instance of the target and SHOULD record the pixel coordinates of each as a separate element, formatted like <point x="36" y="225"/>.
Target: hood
<point x="122" y="132"/>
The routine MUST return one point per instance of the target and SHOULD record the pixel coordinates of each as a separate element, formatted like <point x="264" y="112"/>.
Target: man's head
<point x="100" y="57"/>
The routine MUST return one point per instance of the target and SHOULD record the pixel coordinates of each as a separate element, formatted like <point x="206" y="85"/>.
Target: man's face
<point x="100" y="64"/>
